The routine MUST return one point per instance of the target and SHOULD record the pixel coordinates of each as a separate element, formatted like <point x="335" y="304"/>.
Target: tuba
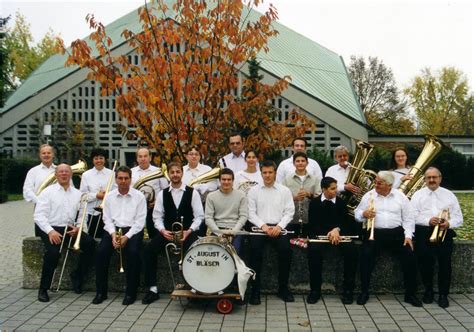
<point x="431" y="149"/>
<point x="145" y="188"/>
<point x="77" y="169"/>
<point x="206" y="177"/>
<point x="358" y="176"/>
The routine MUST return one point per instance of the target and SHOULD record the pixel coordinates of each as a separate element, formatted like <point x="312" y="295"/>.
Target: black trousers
<point x="51" y="256"/>
<point x="92" y="226"/>
<point x="150" y="225"/>
<point x="391" y="239"/>
<point x="282" y="246"/>
<point x="156" y="245"/>
<point x="131" y="262"/>
<point x="316" y="252"/>
<point x="426" y="253"/>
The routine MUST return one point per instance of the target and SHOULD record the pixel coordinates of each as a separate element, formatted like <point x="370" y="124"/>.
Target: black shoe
<point x="363" y="298"/>
<point x="150" y="297"/>
<point x="286" y="295"/>
<point x="428" y="297"/>
<point x="43" y="295"/>
<point x="129" y="299"/>
<point x="413" y="300"/>
<point x="76" y="283"/>
<point x="347" y="298"/>
<point x="313" y="297"/>
<point x="255" y="298"/>
<point x="99" y="298"/>
<point x="443" y="301"/>
<point x="241" y="302"/>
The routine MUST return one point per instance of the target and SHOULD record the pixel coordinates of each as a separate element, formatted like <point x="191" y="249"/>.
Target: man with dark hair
<point x="227" y="209"/>
<point x="327" y="215"/>
<point x="287" y="168"/>
<point x="94" y="183"/>
<point x="435" y="206"/>
<point x="144" y="168"/>
<point x="176" y="203"/>
<point x="235" y="160"/>
<point x="55" y="211"/>
<point x="271" y="208"/>
<point x="124" y="219"/>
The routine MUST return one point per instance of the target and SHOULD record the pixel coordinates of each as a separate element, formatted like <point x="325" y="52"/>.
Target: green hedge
<point x="12" y="175"/>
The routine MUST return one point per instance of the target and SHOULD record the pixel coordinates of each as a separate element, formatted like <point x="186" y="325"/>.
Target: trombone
<point x="100" y="208"/>
<point x="176" y="246"/>
<point x="439" y="234"/>
<point x="119" y="249"/>
<point x="76" y="246"/>
<point x="371" y="221"/>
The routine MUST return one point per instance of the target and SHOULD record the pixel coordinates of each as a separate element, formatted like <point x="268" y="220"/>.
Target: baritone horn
<point x="206" y="177"/>
<point x="439" y="234"/>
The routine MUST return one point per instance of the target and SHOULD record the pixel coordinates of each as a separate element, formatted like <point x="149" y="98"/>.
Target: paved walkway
<point x="19" y="309"/>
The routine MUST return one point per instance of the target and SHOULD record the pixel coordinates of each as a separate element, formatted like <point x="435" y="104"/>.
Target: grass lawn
<point x="466" y="231"/>
<point x="15" y="197"/>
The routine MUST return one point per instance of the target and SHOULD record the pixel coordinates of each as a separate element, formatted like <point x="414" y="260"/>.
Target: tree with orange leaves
<point x="187" y="89"/>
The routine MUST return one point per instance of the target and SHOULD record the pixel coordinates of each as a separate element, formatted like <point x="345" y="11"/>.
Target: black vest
<point x="185" y="209"/>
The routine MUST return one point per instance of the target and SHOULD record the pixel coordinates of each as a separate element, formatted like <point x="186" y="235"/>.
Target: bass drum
<point x="208" y="266"/>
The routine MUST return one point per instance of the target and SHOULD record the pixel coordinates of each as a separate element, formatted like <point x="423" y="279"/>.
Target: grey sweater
<point x="229" y="211"/>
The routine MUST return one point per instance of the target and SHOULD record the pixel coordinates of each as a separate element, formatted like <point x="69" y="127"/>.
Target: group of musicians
<point x="294" y="198"/>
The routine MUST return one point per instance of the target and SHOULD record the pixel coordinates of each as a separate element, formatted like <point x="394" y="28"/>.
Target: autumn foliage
<point x="187" y="89"/>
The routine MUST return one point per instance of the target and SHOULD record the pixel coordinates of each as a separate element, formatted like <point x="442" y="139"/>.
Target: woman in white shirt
<point x="249" y="177"/>
<point x="400" y="167"/>
<point x="194" y="169"/>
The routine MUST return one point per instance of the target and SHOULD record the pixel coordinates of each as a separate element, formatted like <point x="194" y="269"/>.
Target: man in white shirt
<point x="427" y="206"/>
<point x="94" y="183"/>
<point x="235" y="160"/>
<point x="287" y="168"/>
<point x="56" y="209"/>
<point x="177" y="203"/>
<point x="124" y="212"/>
<point x="144" y="168"/>
<point x="36" y="176"/>
<point x="394" y="228"/>
<point x="271" y="209"/>
<point x="340" y="171"/>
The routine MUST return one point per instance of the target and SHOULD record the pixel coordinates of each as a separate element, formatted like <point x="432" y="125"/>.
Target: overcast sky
<point x="406" y="35"/>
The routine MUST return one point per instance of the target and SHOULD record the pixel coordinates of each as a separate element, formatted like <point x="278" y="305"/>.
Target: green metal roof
<point x="313" y="68"/>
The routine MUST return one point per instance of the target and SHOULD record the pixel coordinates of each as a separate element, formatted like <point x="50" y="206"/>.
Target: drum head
<point x="208" y="267"/>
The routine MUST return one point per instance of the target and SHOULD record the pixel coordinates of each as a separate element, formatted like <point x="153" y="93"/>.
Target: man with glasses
<point x="428" y="205"/>
<point x="394" y="228"/>
<point x="235" y="160"/>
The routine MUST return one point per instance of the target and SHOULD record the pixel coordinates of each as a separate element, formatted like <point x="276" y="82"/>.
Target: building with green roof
<point x="320" y="87"/>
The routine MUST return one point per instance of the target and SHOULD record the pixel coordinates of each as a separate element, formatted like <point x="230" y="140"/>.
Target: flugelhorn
<point x="77" y="245"/>
<point x="371" y="221"/>
<point x="119" y="249"/>
<point x="439" y="234"/>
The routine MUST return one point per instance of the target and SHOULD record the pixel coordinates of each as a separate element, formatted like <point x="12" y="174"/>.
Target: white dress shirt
<point x="56" y="207"/>
<point x="391" y="211"/>
<point x="271" y="205"/>
<point x="323" y="198"/>
<point x="34" y="178"/>
<point x="235" y="163"/>
<point x="426" y="204"/>
<point x="127" y="210"/>
<point x="287" y="168"/>
<point x="157" y="184"/>
<point x="92" y="182"/>
<point x="190" y="174"/>
<point x="177" y="194"/>
<point x="340" y="174"/>
<point x="397" y="176"/>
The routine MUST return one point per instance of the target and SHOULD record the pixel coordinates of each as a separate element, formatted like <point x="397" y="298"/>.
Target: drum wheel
<point x="224" y="306"/>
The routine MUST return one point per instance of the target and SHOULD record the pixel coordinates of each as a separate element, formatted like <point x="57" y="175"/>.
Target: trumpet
<point x="438" y="234"/>
<point x="325" y="239"/>
<point x="119" y="250"/>
<point x="371" y="221"/>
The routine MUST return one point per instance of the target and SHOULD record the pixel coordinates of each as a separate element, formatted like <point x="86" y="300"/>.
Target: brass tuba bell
<point x="145" y="188"/>
<point x="77" y="169"/>
<point x="206" y="177"/>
